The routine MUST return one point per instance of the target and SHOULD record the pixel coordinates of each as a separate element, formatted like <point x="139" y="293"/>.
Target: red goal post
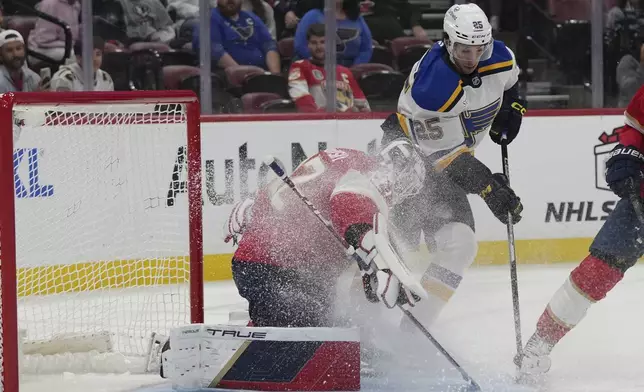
<point x="129" y="129"/>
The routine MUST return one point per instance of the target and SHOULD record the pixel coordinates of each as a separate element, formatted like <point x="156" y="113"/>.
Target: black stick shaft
<point x="513" y="260"/>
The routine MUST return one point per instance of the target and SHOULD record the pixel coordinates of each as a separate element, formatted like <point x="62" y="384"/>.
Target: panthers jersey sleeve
<point x="299" y="88"/>
<point x="431" y="102"/>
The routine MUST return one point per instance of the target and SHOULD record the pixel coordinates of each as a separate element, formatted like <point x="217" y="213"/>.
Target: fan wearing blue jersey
<point x="463" y="88"/>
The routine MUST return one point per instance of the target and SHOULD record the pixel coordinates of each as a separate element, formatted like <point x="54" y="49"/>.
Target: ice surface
<point x="602" y="354"/>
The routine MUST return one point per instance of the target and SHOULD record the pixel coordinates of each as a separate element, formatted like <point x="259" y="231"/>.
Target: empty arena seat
<point x="22" y="24"/>
<point x="378" y="81"/>
<point x="236" y="75"/>
<point x="252" y="101"/>
<point x="156" y="46"/>
<point x="266" y="83"/>
<point x="278" y="106"/>
<point x="360" y="69"/>
<point x="174" y="75"/>
<point x="381" y="55"/>
<point x="286" y="49"/>
<point x="407" y="51"/>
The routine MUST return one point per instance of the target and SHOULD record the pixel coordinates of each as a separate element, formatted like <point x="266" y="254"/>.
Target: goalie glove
<point x="388" y="278"/>
<point x="238" y="220"/>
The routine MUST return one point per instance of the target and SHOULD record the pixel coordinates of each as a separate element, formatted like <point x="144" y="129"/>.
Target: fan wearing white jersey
<point x="461" y="89"/>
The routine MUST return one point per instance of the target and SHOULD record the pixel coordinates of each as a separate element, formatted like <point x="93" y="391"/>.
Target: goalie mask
<point x="401" y="173"/>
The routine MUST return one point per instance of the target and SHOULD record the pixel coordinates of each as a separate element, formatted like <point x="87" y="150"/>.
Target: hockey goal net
<point x="100" y="229"/>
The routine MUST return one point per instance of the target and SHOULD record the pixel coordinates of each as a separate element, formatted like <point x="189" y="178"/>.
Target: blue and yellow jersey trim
<point x="445" y="158"/>
<point x="501" y="60"/>
<point x="437" y="87"/>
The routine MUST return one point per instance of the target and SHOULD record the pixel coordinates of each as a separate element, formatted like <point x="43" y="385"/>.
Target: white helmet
<point x="402" y="171"/>
<point x="467" y="24"/>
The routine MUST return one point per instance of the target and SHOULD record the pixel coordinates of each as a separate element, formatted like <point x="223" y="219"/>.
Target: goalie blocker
<point x="263" y="359"/>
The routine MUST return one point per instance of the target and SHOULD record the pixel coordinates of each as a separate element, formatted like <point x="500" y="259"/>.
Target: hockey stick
<point x="513" y="257"/>
<point x="636" y="202"/>
<point x="366" y="269"/>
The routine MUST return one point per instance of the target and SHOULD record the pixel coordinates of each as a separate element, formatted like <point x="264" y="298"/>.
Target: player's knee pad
<point x="455" y="251"/>
<point x="456" y="246"/>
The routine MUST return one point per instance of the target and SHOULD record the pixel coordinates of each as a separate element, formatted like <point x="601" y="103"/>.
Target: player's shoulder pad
<point x="501" y="60"/>
<point x="437" y="87"/>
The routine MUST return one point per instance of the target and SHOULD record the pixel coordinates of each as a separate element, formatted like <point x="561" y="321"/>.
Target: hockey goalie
<point x="287" y="267"/>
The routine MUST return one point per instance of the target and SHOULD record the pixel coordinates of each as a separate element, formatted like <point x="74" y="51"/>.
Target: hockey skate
<point x="534" y="361"/>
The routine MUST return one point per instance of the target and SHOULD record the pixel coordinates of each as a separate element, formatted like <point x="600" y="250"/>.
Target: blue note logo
<point x="29" y="158"/>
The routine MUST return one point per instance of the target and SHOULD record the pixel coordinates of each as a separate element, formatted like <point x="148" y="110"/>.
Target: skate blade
<point x="530" y="379"/>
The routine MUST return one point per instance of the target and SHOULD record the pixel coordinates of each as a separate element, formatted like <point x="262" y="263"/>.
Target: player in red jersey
<point x="617" y="247"/>
<point x="287" y="263"/>
<point x="307" y="80"/>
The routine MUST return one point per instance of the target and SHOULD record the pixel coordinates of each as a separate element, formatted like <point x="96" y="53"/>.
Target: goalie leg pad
<point x="264" y="359"/>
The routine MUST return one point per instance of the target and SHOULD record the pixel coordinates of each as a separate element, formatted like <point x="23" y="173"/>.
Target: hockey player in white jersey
<point x="462" y="88"/>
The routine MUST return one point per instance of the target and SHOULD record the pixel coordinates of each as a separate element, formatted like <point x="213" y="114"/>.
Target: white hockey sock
<point x="456" y="250"/>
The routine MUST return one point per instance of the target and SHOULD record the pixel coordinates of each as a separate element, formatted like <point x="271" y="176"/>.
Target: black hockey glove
<point x="508" y="120"/>
<point x="501" y="199"/>
<point x="624" y="170"/>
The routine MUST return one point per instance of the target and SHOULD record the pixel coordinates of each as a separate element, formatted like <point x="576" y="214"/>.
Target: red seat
<point x="22" y="24"/>
<point x="562" y="10"/>
<point x="111" y="47"/>
<point x="252" y="102"/>
<point x="378" y="81"/>
<point x="238" y="74"/>
<point x="408" y="50"/>
<point x="286" y="47"/>
<point x="360" y="69"/>
<point x="381" y="55"/>
<point x="174" y="75"/>
<point x="400" y="44"/>
<point x="156" y="46"/>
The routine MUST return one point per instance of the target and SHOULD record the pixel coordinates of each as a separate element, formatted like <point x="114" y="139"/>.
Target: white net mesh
<point x="102" y="238"/>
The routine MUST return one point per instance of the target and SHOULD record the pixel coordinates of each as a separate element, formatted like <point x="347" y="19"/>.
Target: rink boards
<point x="556" y="167"/>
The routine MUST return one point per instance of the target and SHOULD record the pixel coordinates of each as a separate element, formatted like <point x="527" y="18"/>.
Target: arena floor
<point x="602" y="354"/>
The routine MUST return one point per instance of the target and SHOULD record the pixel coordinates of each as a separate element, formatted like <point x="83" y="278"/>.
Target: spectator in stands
<point x="239" y="38"/>
<point x="70" y="77"/>
<point x="182" y="10"/>
<point x="15" y="75"/>
<point x="353" y="34"/>
<point x="307" y="80"/>
<point x="624" y="13"/>
<point x="147" y="20"/>
<point x="630" y="76"/>
<point x="388" y="19"/>
<point x="49" y="39"/>
<point x="264" y="11"/>
<point x="289" y="12"/>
